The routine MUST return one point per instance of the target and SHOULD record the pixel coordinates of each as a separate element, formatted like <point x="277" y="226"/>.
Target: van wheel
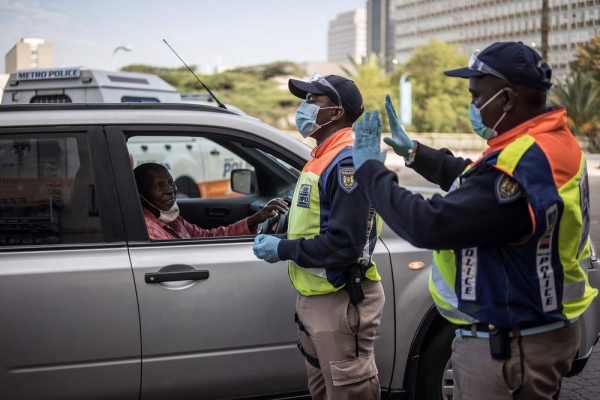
<point x="187" y="188"/>
<point x="435" y="379"/>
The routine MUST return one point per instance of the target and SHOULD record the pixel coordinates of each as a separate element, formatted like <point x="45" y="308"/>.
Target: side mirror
<point x="243" y="181"/>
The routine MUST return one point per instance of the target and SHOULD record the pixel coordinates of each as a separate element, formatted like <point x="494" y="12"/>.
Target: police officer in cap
<point x="510" y="237"/>
<point x="330" y="239"/>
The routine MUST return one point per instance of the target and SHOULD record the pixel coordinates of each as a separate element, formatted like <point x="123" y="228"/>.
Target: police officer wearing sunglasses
<point x="330" y="240"/>
<point x="510" y="237"/>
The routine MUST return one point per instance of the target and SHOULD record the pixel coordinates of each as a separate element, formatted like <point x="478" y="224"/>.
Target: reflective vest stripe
<point x="512" y="154"/>
<point x="446" y="299"/>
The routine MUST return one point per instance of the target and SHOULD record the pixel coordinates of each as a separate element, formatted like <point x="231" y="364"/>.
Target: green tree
<point x="580" y="94"/>
<point x="439" y="103"/>
<point x="255" y="89"/>
<point x="370" y="77"/>
<point x="587" y="58"/>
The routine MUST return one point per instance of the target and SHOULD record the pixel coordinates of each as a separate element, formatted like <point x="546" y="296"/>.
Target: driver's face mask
<point x="165" y="216"/>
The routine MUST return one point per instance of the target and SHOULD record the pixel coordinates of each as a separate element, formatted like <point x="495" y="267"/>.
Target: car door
<point x="230" y="332"/>
<point x="69" y="324"/>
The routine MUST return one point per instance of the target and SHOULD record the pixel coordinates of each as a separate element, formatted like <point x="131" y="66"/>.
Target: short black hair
<point x="142" y="173"/>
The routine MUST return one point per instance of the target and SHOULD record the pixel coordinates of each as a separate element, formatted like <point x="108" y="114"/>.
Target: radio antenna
<point x="207" y="89"/>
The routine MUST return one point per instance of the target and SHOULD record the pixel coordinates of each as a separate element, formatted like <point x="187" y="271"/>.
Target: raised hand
<point x="367" y="140"/>
<point x="399" y="142"/>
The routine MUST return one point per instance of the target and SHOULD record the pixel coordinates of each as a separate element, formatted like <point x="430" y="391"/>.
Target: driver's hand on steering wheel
<point x="272" y="208"/>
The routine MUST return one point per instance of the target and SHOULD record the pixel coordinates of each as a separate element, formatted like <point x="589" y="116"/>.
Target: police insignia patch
<point x="304" y="196"/>
<point x="346" y="179"/>
<point x="507" y="189"/>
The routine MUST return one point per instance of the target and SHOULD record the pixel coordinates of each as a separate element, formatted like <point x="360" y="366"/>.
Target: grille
<point x="55" y="98"/>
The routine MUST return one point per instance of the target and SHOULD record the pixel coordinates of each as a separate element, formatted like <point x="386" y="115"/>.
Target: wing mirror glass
<point x="243" y="181"/>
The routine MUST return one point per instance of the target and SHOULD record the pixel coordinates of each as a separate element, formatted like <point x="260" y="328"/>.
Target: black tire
<point x="435" y="379"/>
<point x="187" y="188"/>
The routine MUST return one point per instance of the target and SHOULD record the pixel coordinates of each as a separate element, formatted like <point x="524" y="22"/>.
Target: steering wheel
<point x="275" y="225"/>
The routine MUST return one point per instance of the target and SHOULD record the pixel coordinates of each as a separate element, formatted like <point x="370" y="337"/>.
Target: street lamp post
<point x="405" y="100"/>
<point x="126" y="47"/>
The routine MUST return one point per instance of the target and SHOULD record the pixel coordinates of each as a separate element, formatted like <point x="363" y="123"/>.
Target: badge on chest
<point x="304" y="196"/>
<point x="346" y="179"/>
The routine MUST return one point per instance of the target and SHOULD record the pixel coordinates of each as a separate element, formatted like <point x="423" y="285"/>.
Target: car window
<point x="47" y="190"/>
<point x="200" y="167"/>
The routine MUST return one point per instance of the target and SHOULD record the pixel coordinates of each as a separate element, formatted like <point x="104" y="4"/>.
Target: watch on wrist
<point x="410" y="157"/>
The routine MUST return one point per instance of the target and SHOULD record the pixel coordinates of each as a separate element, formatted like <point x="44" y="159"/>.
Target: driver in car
<point x="158" y="194"/>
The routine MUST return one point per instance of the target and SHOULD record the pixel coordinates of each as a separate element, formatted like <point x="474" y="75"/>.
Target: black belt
<point x="482" y="330"/>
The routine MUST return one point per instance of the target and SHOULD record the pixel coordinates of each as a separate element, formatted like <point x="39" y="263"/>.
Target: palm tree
<point x="580" y="94"/>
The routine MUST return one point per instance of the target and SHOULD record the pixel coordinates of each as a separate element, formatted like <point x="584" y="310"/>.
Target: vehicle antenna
<point x="207" y="89"/>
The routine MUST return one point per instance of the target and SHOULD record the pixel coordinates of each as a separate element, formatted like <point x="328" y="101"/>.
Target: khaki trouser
<point x="533" y="372"/>
<point x="330" y="322"/>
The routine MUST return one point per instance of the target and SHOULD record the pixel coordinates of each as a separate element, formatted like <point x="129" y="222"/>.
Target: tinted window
<point x="135" y="99"/>
<point x="47" y="190"/>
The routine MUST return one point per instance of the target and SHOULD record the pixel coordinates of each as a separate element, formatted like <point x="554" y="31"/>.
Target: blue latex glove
<point x="265" y="248"/>
<point x="367" y="139"/>
<point x="399" y="142"/>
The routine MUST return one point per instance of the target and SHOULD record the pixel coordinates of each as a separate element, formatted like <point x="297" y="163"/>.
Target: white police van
<point x="200" y="168"/>
<point x="82" y="85"/>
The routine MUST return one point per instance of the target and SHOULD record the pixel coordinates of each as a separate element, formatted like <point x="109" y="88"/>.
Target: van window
<point x="135" y="99"/>
<point x="47" y="191"/>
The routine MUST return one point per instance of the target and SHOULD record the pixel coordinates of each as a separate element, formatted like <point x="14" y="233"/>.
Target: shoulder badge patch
<point x="304" y="196"/>
<point x="346" y="179"/>
<point x="507" y="189"/>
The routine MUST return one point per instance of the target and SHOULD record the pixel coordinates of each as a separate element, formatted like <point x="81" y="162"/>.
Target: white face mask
<point x="169" y="216"/>
<point x="165" y="216"/>
<point x="306" y="118"/>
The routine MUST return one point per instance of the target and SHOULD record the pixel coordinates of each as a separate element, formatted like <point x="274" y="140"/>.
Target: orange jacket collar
<point x="553" y="120"/>
<point x="340" y="137"/>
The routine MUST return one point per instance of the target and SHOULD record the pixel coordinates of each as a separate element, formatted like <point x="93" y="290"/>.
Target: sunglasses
<point x="318" y="78"/>
<point x="478" y="65"/>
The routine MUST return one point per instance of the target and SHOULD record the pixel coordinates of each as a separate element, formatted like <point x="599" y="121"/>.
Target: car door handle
<point x="217" y="212"/>
<point x="157" y="277"/>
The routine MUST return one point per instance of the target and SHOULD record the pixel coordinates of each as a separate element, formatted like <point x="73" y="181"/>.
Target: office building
<point x="29" y="53"/>
<point x="348" y="37"/>
<point x="380" y="30"/>
<point x="475" y="24"/>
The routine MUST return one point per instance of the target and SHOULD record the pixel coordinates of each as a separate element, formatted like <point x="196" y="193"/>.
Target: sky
<point x="205" y="33"/>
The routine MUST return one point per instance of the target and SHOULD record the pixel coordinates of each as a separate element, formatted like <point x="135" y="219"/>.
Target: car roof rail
<point x="114" y="106"/>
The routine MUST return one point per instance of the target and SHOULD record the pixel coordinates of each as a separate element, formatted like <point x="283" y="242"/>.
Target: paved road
<point x="587" y="384"/>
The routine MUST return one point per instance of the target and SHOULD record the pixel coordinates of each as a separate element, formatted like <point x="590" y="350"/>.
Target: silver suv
<point x="90" y="308"/>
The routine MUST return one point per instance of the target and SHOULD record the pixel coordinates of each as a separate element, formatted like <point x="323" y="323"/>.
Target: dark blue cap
<point x="513" y="61"/>
<point x="352" y="101"/>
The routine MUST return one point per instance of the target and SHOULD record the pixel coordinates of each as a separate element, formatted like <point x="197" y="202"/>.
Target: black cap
<point x="352" y="101"/>
<point x="517" y="62"/>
